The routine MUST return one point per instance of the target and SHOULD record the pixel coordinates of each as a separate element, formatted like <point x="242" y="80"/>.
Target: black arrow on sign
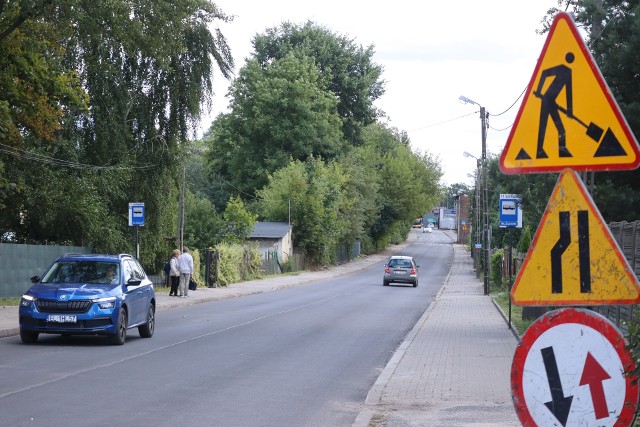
<point x="558" y="249"/>
<point x="559" y="405"/>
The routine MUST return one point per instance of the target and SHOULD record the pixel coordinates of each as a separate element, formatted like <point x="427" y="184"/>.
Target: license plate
<point x="400" y="272"/>
<point x="62" y="318"/>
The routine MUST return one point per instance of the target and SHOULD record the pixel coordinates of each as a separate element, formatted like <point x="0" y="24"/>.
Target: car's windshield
<point x="400" y="263"/>
<point x="82" y="272"/>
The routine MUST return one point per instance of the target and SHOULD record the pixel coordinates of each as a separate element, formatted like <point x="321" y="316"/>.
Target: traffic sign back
<point x="568" y="117"/>
<point x="574" y="259"/>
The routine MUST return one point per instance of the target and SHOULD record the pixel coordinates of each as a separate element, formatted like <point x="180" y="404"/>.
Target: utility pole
<point x="485" y="198"/>
<point x="486" y="245"/>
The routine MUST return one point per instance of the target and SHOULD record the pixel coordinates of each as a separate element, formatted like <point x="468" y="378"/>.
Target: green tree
<point x="203" y="226"/>
<point x="36" y="86"/>
<point x="409" y="183"/>
<point x="315" y="192"/>
<point x="145" y="69"/>
<point x="238" y="222"/>
<point x="346" y="69"/>
<point x="452" y="192"/>
<point x="525" y="240"/>
<point x="278" y="113"/>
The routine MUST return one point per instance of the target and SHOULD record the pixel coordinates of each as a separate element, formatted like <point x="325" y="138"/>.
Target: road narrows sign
<point x="568" y="117"/>
<point x="574" y="259"/>
<point x="571" y="369"/>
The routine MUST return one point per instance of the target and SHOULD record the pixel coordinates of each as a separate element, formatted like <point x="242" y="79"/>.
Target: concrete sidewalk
<point x="453" y="369"/>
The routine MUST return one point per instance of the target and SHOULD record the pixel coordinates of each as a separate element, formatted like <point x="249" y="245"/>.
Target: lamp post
<point x="485" y="191"/>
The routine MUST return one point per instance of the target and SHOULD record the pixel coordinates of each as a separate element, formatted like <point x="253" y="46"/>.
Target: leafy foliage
<point x="279" y="113"/>
<point x="372" y="194"/>
<point x="496" y="269"/>
<point x="525" y="240"/>
<point x="35" y="85"/>
<point x="203" y="225"/>
<point x="315" y="193"/>
<point x="346" y="69"/>
<point x="237" y="263"/>
<point x="117" y="87"/>
<point x="238" y="222"/>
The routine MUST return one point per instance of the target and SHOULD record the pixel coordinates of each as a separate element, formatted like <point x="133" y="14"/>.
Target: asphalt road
<point x="302" y="356"/>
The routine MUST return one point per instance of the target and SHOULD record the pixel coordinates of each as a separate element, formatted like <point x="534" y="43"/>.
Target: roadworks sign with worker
<point x="568" y="117"/>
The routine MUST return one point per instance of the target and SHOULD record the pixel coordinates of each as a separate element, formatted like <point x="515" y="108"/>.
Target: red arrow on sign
<point x="593" y="375"/>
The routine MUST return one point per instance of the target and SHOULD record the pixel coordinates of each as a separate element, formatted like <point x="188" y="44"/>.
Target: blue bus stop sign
<point x="136" y="214"/>
<point x="509" y="212"/>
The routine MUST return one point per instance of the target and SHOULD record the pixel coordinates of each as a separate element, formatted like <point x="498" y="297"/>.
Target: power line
<point x="511" y="106"/>
<point x="443" y="122"/>
<point x="501" y="130"/>
<point x="23" y="154"/>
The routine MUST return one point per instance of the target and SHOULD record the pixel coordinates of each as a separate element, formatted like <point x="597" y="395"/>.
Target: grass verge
<point x="9" y="302"/>
<point x="502" y="299"/>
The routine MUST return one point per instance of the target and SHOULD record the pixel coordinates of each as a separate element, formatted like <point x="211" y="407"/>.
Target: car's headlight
<point x="26" y="300"/>
<point x="108" y="302"/>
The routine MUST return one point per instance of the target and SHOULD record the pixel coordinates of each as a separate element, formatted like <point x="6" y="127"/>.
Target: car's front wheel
<point x="146" y="330"/>
<point x="28" y="337"/>
<point x="121" y="330"/>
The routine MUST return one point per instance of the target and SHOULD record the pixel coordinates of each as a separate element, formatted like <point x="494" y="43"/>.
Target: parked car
<point x="88" y="294"/>
<point x="427" y="228"/>
<point x="400" y="269"/>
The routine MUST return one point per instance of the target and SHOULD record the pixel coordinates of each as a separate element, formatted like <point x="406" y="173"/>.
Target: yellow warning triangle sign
<point x="568" y="117"/>
<point x="574" y="259"/>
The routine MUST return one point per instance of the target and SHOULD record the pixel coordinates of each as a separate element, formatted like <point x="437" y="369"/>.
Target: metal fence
<point x="19" y="262"/>
<point x="347" y="251"/>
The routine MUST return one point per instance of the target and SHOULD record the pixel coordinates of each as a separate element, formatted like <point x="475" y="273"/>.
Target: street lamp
<point x="485" y="191"/>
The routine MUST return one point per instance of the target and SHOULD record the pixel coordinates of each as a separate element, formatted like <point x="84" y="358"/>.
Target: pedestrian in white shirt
<point x="185" y="265"/>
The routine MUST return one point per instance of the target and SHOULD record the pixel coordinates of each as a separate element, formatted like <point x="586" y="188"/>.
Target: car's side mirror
<point x="133" y="282"/>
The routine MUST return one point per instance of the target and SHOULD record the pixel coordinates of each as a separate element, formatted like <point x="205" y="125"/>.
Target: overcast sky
<point x="431" y="52"/>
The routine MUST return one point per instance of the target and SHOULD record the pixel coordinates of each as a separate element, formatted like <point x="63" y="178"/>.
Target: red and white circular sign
<point x="572" y="369"/>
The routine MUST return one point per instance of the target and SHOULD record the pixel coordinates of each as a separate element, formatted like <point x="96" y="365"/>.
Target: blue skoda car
<point x="84" y="294"/>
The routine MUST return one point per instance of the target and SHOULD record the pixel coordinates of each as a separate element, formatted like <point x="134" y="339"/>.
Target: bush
<point x="495" y="275"/>
<point x="195" y="254"/>
<point x="238" y="263"/>
<point x="231" y="257"/>
<point x="252" y="265"/>
<point x="525" y="240"/>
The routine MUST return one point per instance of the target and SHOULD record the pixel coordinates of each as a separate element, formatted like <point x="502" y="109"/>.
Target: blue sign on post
<point x="509" y="211"/>
<point x="136" y="214"/>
